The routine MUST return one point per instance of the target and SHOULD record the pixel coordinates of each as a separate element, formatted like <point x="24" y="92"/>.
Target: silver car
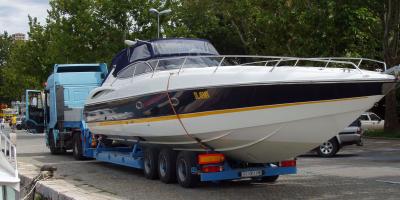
<point x="349" y="136"/>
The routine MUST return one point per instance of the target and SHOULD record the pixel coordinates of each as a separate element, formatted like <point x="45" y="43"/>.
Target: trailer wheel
<point x="184" y="164"/>
<point x="52" y="144"/>
<point x="150" y="159"/>
<point x="167" y="166"/>
<point x="267" y="179"/>
<point x="77" y="150"/>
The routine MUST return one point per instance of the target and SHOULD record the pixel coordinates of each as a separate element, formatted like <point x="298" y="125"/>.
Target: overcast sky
<point x="14" y="14"/>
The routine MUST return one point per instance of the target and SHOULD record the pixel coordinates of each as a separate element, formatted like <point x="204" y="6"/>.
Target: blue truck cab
<point x="65" y="94"/>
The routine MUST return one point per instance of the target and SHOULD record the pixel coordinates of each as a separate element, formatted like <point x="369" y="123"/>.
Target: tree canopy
<point x="87" y="31"/>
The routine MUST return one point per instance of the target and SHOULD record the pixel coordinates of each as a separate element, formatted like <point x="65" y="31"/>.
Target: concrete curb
<point x="57" y="189"/>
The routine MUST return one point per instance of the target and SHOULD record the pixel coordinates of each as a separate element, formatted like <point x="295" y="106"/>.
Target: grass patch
<point x="382" y="134"/>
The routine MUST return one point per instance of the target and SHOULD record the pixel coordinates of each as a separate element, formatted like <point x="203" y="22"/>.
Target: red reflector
<point x="208" y="169"/>
<point x="288" y="163"/>
<point x="211" y="158"/>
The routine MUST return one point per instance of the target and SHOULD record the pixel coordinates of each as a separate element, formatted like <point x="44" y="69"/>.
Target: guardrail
<point x="240" y="60"/>
<point x="9" y="151"/>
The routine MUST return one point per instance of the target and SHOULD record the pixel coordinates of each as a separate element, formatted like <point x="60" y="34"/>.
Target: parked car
<point x="349" y="136"/>
<point x="371" y="121"/>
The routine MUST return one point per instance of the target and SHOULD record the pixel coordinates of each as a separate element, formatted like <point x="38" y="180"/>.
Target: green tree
<point x="5" y="45"/>
<point x="85" y="31"/>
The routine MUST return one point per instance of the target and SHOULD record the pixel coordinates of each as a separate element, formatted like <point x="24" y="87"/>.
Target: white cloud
<point x="14" y="14"/>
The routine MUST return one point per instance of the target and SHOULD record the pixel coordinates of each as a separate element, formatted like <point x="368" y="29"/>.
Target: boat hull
<point x="275" y="129"/>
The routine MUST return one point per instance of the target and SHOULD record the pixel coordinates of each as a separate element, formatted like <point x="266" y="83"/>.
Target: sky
<point x="14" y="14"/>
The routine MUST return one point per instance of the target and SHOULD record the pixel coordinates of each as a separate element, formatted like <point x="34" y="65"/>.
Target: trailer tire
<point x="184" y="163"/>
<point x="167" y="166"/>
<point x="150" y="163"/>
<point x="52" y="144"/>
<point x="77" y="150"/>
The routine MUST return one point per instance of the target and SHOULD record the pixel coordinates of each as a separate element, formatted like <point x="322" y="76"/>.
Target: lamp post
<point x="158" y="13"/>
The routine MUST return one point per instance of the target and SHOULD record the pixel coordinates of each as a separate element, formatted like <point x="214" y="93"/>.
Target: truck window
<point x="78" y="69"/>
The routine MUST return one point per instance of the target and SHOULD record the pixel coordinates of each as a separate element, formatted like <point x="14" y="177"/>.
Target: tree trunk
<point x="391" y="118"/>
<point x="391" y="22"/>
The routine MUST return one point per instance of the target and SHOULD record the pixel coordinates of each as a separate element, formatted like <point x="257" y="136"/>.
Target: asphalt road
<point x="368" y="172"/>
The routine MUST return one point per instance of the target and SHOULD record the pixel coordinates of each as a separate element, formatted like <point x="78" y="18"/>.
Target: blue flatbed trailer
<point x="66" y="91"/>
<point x="133" y="156"/>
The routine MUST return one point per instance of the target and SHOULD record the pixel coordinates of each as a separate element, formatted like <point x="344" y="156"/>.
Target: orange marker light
<point x="94" y="142"/>
<point x="211" y="158"/>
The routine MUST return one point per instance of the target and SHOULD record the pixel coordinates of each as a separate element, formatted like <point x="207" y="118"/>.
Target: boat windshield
<point x="183" y="46"/>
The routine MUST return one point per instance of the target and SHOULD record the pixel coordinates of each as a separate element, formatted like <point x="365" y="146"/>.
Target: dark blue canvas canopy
<point x="161" y="48"/>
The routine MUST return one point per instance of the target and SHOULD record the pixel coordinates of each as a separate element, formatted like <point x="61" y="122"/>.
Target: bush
<point x="381" y="133"/>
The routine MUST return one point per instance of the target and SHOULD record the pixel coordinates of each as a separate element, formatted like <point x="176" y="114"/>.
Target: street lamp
<point x="158" y="13"/>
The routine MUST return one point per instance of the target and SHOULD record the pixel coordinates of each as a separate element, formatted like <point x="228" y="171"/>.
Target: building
<point x="18" y="36"/>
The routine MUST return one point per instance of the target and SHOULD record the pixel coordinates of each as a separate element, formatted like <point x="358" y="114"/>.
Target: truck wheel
<point x="184" y="164"/>
<point x="77" y="150"/>
<point x="150" y="159"/>
<point x="52" y="144"/>
<point x="328" y="148"/>
<point x="167" y="166"/>
<point x="267" y="179"/>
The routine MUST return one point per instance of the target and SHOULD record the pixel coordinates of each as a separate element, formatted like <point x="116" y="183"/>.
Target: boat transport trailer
<point x="67" y="89"/>
<point x="208" y="166"/>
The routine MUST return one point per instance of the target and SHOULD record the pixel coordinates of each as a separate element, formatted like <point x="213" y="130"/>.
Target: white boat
<point x="183" y="94"/>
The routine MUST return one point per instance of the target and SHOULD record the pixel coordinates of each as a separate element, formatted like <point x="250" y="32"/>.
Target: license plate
<point x="251" y="173"/>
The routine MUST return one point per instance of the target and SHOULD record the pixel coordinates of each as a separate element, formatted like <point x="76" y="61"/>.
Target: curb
<point x="57" y="189"/>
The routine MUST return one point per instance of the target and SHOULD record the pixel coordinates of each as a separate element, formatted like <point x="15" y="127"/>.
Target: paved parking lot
<point x="368" y="172"/>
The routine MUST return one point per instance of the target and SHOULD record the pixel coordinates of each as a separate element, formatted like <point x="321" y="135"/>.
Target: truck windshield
<point x="183" y="46"/>
<point x="82" y="68"/>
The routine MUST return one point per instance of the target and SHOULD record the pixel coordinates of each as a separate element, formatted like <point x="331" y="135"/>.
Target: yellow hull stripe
<point x="215" y="112"/>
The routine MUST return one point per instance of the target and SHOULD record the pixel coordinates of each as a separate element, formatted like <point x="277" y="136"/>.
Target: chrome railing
<point x="9" y="151"/>
<point x="272" y="62"/>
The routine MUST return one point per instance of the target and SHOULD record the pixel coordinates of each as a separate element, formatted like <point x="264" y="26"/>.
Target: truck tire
<point x="167" y="165"/>
<point x="77" y="150"/>
<point x="150" y="165"/>
<point x="52" y="144"/>
<point x="184" y="163"/>
<point x="328" y="148"/>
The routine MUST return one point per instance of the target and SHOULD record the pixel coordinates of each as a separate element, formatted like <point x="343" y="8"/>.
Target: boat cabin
<point x="158" y="49"/>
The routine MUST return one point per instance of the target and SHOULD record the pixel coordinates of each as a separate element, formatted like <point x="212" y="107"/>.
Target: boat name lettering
<point x="201" y="95"/>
